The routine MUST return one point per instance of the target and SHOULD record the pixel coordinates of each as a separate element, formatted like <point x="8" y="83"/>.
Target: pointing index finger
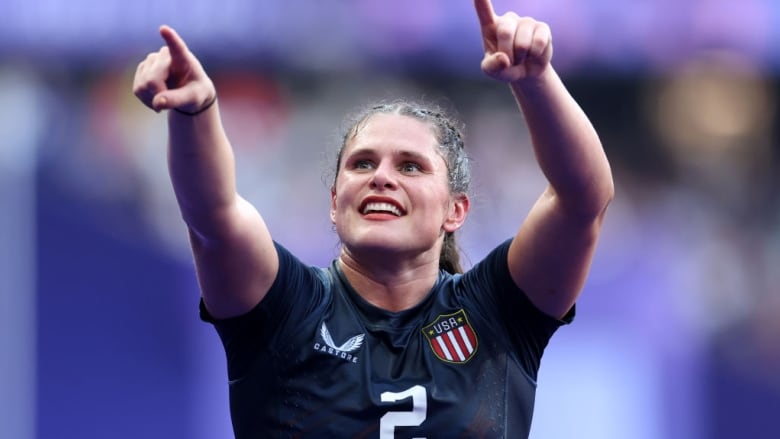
<point x="176" y="45"/>
<point x="485" y="12"/>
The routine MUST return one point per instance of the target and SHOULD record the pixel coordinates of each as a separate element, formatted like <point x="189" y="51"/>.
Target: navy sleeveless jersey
<point x="315" y="360"/>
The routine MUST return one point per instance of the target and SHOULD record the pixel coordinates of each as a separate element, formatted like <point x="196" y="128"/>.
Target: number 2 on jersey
<point x="407" y="418"/>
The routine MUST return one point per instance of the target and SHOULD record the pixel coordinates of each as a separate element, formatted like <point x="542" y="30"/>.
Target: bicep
<point x="550" y="257"/>
<point x="236" y="267"/>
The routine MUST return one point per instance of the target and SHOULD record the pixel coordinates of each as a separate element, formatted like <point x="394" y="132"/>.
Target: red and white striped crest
<point x="452" y="338"/>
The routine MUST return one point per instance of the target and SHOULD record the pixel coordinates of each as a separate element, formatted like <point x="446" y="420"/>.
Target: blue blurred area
<point x="676" y="335"/>
<point x="629" y="36"/>
<point x="110" y="324"/>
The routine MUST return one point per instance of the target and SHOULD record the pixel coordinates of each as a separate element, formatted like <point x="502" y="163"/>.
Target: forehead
<point x="396" y="132"/>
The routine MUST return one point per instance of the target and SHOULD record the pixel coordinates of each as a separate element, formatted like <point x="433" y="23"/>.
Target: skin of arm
<point x="551" y="254"/>
<point x="234" y="255"/>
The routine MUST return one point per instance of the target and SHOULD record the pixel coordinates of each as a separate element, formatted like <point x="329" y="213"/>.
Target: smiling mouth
<point x="381" y="208"/>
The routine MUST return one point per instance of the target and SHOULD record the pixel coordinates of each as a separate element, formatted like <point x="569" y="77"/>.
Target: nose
<point x="384" y="177"/>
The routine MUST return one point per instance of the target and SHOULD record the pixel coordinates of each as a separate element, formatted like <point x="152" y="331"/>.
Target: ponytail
<point x="449" y="260"/>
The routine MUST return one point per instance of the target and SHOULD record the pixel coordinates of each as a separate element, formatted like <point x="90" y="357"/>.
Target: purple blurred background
<point x="677" y="334"/>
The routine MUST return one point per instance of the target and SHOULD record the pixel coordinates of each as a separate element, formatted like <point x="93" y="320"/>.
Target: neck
<point x="387" y="286"/>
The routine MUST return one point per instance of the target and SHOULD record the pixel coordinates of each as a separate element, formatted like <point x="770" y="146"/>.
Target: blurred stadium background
<point x="677" y="334"/>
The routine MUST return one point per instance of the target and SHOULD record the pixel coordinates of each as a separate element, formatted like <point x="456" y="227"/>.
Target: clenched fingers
<point x="151" y="76"/>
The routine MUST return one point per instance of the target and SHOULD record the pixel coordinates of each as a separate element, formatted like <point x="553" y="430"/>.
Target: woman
<point x="390" y="340"/>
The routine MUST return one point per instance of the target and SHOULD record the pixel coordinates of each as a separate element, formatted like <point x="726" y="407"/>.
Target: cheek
<point x="338" y="197"/>
<point x="342" y="197"/>
<point x="439" y="197"/>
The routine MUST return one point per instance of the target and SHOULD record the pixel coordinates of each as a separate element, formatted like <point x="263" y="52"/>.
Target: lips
<point x="381" y="208"/>
<point x="385" y="206"/>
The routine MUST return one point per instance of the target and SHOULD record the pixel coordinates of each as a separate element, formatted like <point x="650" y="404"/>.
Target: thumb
<point x="172" y="98"/>
<point x="493" y="64"/>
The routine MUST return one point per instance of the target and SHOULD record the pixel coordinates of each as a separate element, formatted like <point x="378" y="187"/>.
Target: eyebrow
<point x="412" y="155"/>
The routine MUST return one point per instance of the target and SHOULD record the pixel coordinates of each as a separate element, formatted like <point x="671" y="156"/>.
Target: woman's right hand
<point x="173" y="78"/>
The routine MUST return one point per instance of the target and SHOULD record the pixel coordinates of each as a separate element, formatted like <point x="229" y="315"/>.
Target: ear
<point x="333" y="205"/>
<point x="458" y="211"/>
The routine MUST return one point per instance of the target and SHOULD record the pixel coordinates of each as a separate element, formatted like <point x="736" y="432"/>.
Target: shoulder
<point x="493" y="268"/>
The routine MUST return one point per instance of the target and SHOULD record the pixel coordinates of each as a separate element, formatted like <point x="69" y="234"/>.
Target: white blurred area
<point x="19" y="134"/>
<point x="685" y="280"/>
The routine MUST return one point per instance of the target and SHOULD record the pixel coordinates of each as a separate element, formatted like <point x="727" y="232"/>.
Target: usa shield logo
<point x="452" y="338"/>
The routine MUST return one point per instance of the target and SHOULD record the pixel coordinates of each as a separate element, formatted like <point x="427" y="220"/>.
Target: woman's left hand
<point x="516" y="47"/>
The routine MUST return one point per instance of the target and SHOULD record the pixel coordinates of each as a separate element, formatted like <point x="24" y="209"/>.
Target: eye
<point x="410" y="167"/>
<point x="362" y="164"/>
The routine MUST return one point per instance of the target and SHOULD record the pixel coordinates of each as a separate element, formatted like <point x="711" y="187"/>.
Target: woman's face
<point x="391" y="192"/>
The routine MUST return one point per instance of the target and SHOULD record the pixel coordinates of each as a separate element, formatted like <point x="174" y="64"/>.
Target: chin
<point x="378" y="243"/>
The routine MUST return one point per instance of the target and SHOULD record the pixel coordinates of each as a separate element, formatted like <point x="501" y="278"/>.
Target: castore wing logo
<point x="343" y="351"/>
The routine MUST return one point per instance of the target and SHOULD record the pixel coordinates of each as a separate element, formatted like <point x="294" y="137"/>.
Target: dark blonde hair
<point x="451" y="147"/>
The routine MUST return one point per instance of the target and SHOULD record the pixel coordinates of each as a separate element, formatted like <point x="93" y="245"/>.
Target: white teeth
<point x="381" y="207"/>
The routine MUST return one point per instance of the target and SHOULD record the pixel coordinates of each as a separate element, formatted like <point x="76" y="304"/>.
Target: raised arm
<point x="234" y="256"/>
<point x="551" y="254"/>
